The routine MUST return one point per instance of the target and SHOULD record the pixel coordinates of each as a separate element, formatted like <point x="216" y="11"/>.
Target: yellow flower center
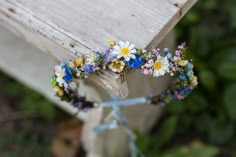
<point x="124" y="51"/>
<point x="158" y="65"/>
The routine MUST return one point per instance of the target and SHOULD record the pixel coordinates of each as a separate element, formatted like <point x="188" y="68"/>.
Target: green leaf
<point x="208" y="79"/>
<point x="228" y="70"/>
<point x="35" y="103"/>
<point x="230" y="100"/>
<point x="53" y="81"/>
<point x="203" y="122"/>
<point x="225" y="54"/>
<point x="199" y="41"/>
<point x="167" y="130"/>
<point x="221" y="133"/>
<point x="203" y="151"/>
<point x="195" y="102"/>
<point x="47" y="110"/>
<point x="232" y="11"/>
<point x="175" y="106"/>
<point x="194" y="151"/>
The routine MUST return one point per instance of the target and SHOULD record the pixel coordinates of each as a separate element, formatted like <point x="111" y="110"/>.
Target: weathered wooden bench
<point x="64" y="28"/>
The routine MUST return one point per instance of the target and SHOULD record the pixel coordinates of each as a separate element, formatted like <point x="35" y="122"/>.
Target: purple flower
<point x="108" y="57"/>
<point x="137" y="62"/>
<point x="88" y="68"/>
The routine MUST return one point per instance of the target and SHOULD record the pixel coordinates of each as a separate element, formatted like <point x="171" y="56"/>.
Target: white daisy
<point x="161" y="66"/>
<point x="60" y="73"/>
<point x="124" y="49"/>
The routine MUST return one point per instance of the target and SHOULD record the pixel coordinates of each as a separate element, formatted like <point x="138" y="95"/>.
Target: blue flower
<point x="98" y="53"/>
<point x="189" y="66"/>
<point x="169" y="55"/>
<point x="182" y="76"/>
<point x="68" y="74"/>
<point x="137" y="62"/>
<point x="166" y="50"/>
<point x="189" y="74"/>
<point x="62" y="64"/>
<point x="185" y="91"/>
<point x="88" y="68"/>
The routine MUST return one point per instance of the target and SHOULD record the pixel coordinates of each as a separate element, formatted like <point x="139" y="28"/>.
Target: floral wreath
<point x="119" y="58"/>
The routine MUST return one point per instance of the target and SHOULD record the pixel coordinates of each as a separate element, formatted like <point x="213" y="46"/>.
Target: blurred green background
<point x="203" y="125"/>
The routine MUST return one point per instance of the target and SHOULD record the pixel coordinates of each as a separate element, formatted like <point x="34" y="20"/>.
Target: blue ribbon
<point x="125" y="102"/>
<point x="117" y="119"/>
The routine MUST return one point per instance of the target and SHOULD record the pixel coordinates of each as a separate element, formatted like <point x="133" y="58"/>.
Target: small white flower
<point x="176" y="58"/>
<point x="91" y="58"/>
<point x="161" y="66"/>
<point x="124" y="49"/>
<point x="60" y="73"/>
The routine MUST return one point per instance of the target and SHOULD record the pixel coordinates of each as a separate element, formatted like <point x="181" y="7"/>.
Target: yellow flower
<point x="58" y="90"/>
<point x="182" y="62"/>
<point x="79" y="61"/>
<point x="112" y="42"/>
<point x="117" y="65"/>
<point x="194" y="81"/>
<point x="71" y="64"/>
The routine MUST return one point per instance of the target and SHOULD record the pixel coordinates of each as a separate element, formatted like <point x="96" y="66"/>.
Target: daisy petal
<point x="116" y="47"/>
<point x="121" y="43"/>
<point x="127" y="58"/>
<point x="162" y="72"/>
<point x="126" y="44"/>
<point x="131" y="46"/>
<point x="115" y="52"/>
<point x="132" y="56"/>
<point x="133" y="51"/>
<point x="119" y="56"/>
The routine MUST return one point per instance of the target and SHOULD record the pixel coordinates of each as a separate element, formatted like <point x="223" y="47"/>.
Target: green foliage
<point x="167" y="130"/>
<point x="221" y="133"/>
<point x="34" y="144"/>
<point x="29" y="100"/>
<point x="230" y="100"/>
<point x="208" y="80"/>
<point x="209" y="114"/>
<point x="228" y="71"/>
<point x="35" y="103"/>
<point x="196" y="151"/>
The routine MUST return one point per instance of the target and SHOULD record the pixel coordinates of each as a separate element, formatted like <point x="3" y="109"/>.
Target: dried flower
<point x="79" y="61"/>
<point x="117" y="65"/>
<point x="112" y="42"/>
<point x="58" y="90"/>
<point x="182" y="62"/>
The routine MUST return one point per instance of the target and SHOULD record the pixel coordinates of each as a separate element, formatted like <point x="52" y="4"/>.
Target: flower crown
<point x="118" y="58"/>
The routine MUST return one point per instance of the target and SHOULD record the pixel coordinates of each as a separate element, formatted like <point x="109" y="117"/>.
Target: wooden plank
<point x="33" y="68"/>
<point x="26" y="63"/>
<point x="64" y="28"/>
